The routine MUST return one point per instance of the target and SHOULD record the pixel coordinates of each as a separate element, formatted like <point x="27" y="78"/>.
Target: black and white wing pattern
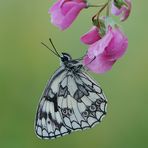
<point x="70" y="102"/>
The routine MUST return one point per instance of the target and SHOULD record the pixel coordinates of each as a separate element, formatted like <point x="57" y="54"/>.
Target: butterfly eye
<point x="65" y="58"/>
<point x="85" y="114"/>
<point x="92" y="108"/>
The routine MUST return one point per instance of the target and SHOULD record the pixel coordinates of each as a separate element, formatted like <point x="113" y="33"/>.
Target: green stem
<point x="90" y="5"/>
<point x="108" y="8"/>
<point x="105" y="5"/>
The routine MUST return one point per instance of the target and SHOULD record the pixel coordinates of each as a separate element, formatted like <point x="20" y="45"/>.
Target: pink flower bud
<point x="64" y="12"/>
<point x="123" y="9"/>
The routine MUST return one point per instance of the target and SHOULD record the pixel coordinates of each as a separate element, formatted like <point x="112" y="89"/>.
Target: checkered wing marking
<point x="69" y="103"/>
<point x="49" y="123"/>
<point x="83" y="104"/>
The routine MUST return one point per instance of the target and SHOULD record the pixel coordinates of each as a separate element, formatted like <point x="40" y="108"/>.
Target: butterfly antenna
<point x="55" y="53"/>
<point x="54" y="47"/>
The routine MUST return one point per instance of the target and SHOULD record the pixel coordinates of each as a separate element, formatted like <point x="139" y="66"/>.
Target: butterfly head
<point x="65" y="57"/>
<point x="73" y="65"/>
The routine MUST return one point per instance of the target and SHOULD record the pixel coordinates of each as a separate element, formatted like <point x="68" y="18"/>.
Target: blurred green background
<point x="25" y="66"/>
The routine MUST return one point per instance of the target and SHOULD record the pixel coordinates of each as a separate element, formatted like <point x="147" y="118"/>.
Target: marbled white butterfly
<point x="71" y="100"/>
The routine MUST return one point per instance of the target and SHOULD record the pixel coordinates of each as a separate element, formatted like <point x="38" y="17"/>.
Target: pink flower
<point x="106" y="51"/>
<point x="64" y="12"/>
<point x="122" y="8"/>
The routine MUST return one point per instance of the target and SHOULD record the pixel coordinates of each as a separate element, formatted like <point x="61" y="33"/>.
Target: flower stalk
<point x="108" y="8"/>
<point x="91" y="5"/>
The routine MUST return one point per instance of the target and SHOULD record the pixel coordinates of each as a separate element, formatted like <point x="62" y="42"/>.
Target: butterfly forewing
<point x="71" y="101"/>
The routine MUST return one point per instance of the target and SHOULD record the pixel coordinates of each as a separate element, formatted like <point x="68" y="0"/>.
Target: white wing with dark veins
<point x="70" y="102"/>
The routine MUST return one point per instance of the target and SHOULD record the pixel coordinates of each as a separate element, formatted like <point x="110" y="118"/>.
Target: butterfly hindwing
<point x="84" y="104"/>
<point x="70" y="102"/>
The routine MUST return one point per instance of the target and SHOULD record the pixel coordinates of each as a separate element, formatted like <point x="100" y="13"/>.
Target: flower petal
<point x="54" y="7"/>
<point x="91" y="36"/>
<point x="98" y="65"/>
<point x="99" y="46"/>
<point x="57" y="18"/>
<point x="72" y="14"/>
<point x="127" y="11"/>
<point x="64" y="12"/>
<point x="124" y="11"/>
<point x="117" y="46"/>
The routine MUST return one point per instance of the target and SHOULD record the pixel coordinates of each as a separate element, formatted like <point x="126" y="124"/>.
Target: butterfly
<point x="71" y="100"/>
